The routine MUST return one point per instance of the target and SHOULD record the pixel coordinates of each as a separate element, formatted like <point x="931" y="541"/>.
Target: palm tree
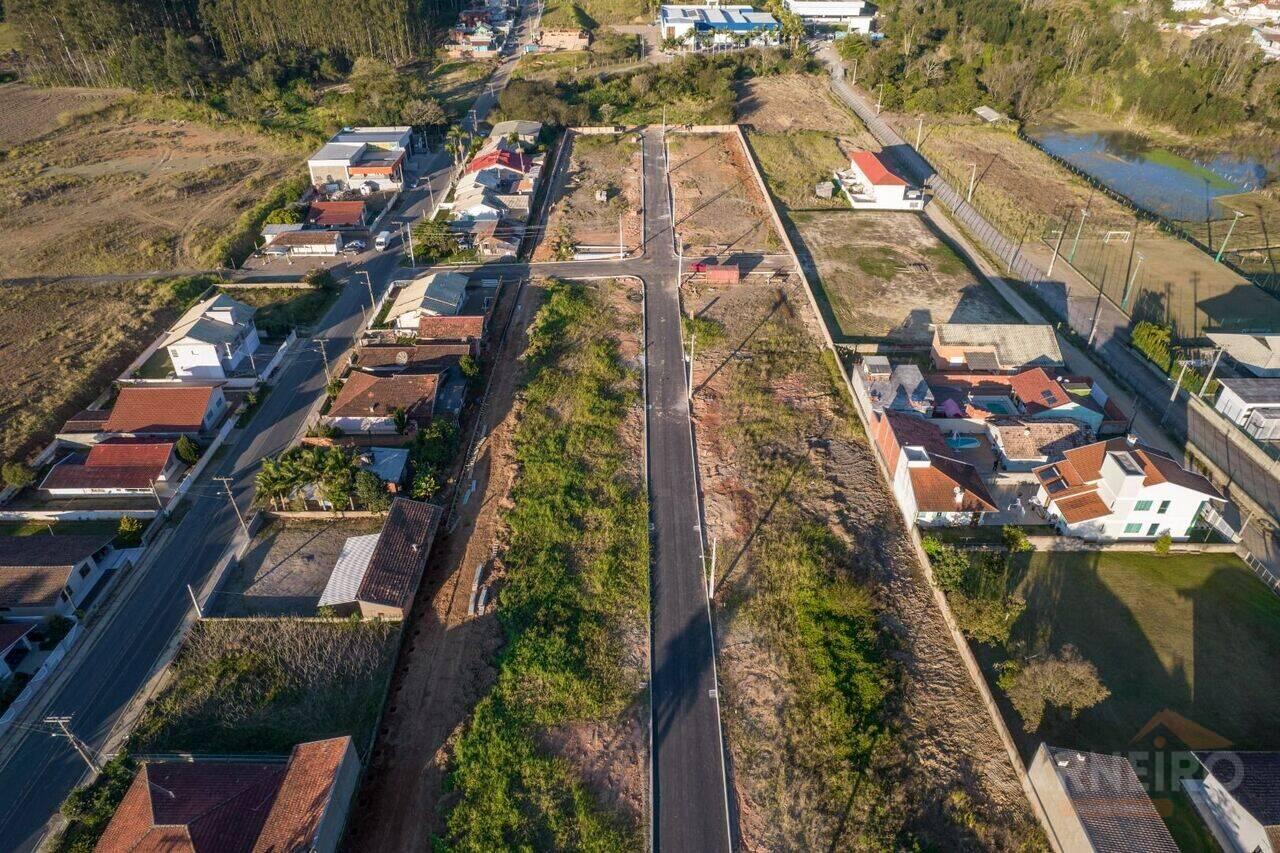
<point x="272" y="486"/>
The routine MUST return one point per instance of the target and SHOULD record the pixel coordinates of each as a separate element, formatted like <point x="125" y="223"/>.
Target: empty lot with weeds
<point x="718" y="207"/>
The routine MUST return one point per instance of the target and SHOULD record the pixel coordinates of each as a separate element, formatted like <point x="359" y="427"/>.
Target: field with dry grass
<point x="62" y="343"/>
<point x="597" y="163"/>
<point x="115" y="190"/>
<point x="718" y="207"/>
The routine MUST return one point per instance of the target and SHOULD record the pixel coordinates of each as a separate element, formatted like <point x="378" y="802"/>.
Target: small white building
<point x="1118" y="489"/>
<point x="852" y="15"/>
<point x="357" y="156"/>
<point x="1239" y="799"/>
<point x="439" y="294"/>
<point x="316" y="243"/>
<point x="1253" y="405"/>
<point x="212" y="338"/>
<point x="870" y="184"/>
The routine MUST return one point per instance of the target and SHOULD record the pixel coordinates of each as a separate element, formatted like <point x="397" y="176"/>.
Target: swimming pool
<point x="962" y="442"/>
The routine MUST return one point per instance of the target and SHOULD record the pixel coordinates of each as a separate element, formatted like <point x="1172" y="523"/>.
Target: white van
<point x="382" y="240"/>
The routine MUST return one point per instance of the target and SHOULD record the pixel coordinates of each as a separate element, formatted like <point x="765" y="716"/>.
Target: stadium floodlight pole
<point x="1209" y="377"/>
<point x="973" y="179"/>
<point x="1217" y="259"/>
<point x="1124" y="300"/>
<point x="1057" y="248"/>
<point x="1075" y="244"/>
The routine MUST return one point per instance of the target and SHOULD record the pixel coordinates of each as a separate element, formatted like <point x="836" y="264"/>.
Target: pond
<point x="1154" y="178"/>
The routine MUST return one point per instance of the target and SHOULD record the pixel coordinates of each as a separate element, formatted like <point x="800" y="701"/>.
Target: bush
<point x="1154" y="341"/>
<point x="289" y="215"/>
<point x="129" y="532"/>
<point x="90" y="808"/>
<point x="17" y="475"/>
<point x="187" y="450"/>
<point x="321" y="279"/>
<point x="371" y="492"/>
<point x="1163" y="543"/>
<point x="1015" y="539"/>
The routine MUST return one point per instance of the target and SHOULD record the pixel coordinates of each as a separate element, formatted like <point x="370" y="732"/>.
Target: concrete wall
<point x="1059" y="811"/>
<point x="334" y="820"/>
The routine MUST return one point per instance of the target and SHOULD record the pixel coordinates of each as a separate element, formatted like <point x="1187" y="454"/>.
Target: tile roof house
<point x="929" y="483"/>
<point x="1095" y="803"/>
<point x="503" y="160"/>
<point x="321" y="243"/>
<point x="338" y="214"/>
<point x="117" y="466"/>
<point x="1119" y="489"/>
<point x="368" y="402"/>
<point x="166" y="410"/>
<point x="526" y="131"/>
<point x="869" y="183"/>
<point x="378" y="575"/>
<point x="434" y="295"/>
<point x="994" y="348"/>
<point x="44" y="575"/>
<point x="1025" y="444"/>
<point x="1239" y="799"/>
<point x="212" y="338"/>
<point x="295" y="806"/>
<point x="393" y="358"/>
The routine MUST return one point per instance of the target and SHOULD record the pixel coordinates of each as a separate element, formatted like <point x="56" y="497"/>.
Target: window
<point x="1133" y="528"/>
<point x="1153" y="529"/>
<point x="1164" y="507"/>
<point x="1142" y="506"/>
<point x="84" y="569"/>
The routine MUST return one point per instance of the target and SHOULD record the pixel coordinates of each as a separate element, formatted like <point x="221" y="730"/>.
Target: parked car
<point x="353" y="247"/>
<point x="382" y="240"/>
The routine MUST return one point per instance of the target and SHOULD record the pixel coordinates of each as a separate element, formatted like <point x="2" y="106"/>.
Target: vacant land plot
<point x="795" y="162"/>
<point x="887" y="276"/>
<point x="456" y="85"/>
<point x="588" y="14"/>
<point x="783" y="103"/>
<point x="848" y="714"/>
<point x="287" y="566"/>
<point x="281" y="309"/>
<point x="115" y="192"/>
<point x="62" y="343"/>
<point x="31" y="112"/>
<point x="243" y="686"/>
<point x="597" y="164"/>
<point x="718" y="207"/>
<point x="1026" y="193"/>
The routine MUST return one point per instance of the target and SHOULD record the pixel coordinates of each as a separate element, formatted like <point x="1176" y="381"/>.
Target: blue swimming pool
<point x="962" y="442"/>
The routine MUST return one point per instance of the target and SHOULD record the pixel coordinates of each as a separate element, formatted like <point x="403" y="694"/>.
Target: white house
<point x="1239" y="799"/>
<point x="852" y="15"/>
<point x="1095" y="803"/>
<point x="870" y="184"/>
<point x="47" y="575"/>
<point x="357" y="156"/>
<point x="717" y="25"/>
<point x="1190" y="5"/>
<point x="117" y="466"/>
<point x="1118" y="489"/>
<point x="930" y="486"/>
<point x="1253" y="405"/>
<point x="14" y="645"/>
<point x="1259" y="354"/>
<point x="439" y="294"/>
<point x="212" y="338"/>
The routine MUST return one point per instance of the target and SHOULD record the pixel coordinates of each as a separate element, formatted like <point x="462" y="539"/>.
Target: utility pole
<point x="369" y="284"/>
<point x="621" y="251"/>
<point x="319" y="342"/>
<point x="855" y="71"/>
<point x="1209" y="378"/>
<point x="1176" y="387"/>
<point x="1124" y="301"/>
<point x="879" y="99"/>
<point x="1057" y="247"/>
<point x="408" y="232"/>
<point x="226" y="484"/>
<point x="80" y="746"/>
<point x="1217" y="259"/>
<point x="711" y="582"/>
<point x="919" y="131"/>
<point x="196" y="602"/>
<point x="155" y="494"/>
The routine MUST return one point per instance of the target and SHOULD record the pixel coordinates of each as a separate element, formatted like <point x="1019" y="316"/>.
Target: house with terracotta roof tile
<point x="262" y="806"/>
<point x="1024" y="444"/>
<point x="931" y="486"/>
<point x="870" y="184"/>
<point x="372" y="403"/>
<point x="1120" y="489"/>
<point x="166" y="410"/>
<point x="338" y="214"/>
<point x="46" y="575"/>
<point x="117" y="466"/>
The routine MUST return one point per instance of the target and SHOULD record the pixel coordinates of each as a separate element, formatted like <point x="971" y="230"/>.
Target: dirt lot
<point x="717" y="205"/>
<point x="287" y="566"/>
<point x="31" y="112"/>
<point x="939" y="775"/>
<point x="609" y="163"/>
<point x="112" y="192"/>
<point x="886" y="275"/>
<point x="56" y="361"/>
<point x="1021" y="189"/>
<point x="445" y="668"/>
<point x="792" y="102"/>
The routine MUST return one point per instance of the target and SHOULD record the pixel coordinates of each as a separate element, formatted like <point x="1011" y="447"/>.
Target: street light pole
<point x="1209" y="377"/>
<point x="1124" y="301"/>
<point x="319" y="342"/>
<point x="368" y="282"/>
<point x="879" y="99"/>
<point x="1217" y="259"/>
<point x="1057" y="247"/>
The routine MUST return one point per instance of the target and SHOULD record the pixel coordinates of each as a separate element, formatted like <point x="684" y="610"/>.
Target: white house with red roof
<point x="1120" y="489"/>
<point x="932" y="487"/>
<point x="869" y="183"/>
<point x="117" y="466"/>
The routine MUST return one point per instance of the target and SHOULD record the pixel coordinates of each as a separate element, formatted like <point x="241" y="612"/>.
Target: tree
<point x="425" y="112"/>
<point x="469" y="365"/>
<point x="337" y="478"/>
<point x="432" y="240"/>
<point x="425" y="486"/>
<point x="1063" y="681"/>
<point x="129" y="532"/>
<point x="401" y="419"/>
<point x="371" y="492"/>
<point x="334" y="387"/>
<point x="17" y="475"/>
<point x="287" y="215"/>
<point x="187" y="450"/>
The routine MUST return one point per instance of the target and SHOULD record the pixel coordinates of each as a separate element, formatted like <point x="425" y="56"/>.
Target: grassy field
<point x="886" y="275"/>
<point x="60" y="528"/>
<point x="794" y="163"/>
<point x="573" y="604"/>
<point x="125" y="188"/>
<point x="589" y="14"/>
<point x="283" y="309"/>
<point x="70" y="355"/>
<point x="457" y="84"/>
<point x="264" y="686"/>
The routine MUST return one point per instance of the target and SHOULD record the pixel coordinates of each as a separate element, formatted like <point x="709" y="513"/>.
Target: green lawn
<point x="1196" y="634"/>
<point x="589" y="14"/>
<point x="794" y="162"/>
<point x="281" y="309"/>
<point x="60" y="528"/>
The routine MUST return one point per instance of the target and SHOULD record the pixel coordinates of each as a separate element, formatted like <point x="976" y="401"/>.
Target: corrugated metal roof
<point x="348" y="571"/>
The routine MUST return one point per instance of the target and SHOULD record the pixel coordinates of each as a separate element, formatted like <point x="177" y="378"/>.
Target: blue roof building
<point x="723" y="23"/>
